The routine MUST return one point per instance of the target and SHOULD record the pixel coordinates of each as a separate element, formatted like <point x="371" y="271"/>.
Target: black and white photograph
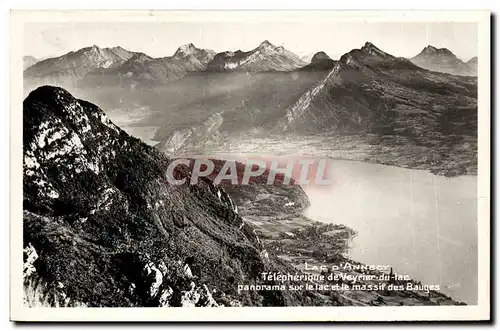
<point x="209" y="160"/>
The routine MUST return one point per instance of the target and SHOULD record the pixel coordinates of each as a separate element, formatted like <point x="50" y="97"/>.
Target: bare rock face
<point x="443" y="60"/>
<point x="103" y="227"/>
<point x="93" y="66"/>
<point x="143" y="70"/>
<point x="195" y="55"/>
<point x="28" y="61"/>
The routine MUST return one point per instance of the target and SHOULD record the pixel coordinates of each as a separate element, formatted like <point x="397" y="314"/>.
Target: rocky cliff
<point x="103" y="227"/>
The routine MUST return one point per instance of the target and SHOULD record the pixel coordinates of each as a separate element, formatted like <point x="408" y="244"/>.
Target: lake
<point x="422" y="224"/>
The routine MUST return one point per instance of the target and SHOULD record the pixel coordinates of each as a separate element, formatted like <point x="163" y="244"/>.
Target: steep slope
<point x="265" y="57"/>
<point x="441" y="60"/>
<point x="103" y="227"/>
<point x="246" y="101"/>
<point x="144" y="70"/>
<point x="28" y="61"/>
<point x="75" y="65"/>
<point x="320" y="61"/>
<point x="472" y="64"/>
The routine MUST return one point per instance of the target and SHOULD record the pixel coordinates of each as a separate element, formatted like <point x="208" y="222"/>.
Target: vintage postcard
<point x="250" y="165"/>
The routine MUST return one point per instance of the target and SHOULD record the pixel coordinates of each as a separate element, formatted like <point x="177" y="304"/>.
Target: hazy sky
<point x="334" y="38"/>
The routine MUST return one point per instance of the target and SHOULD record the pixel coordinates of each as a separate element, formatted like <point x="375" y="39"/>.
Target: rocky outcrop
<point x="372" y="91"/>
<point x="395" y="106"/>
<point x="197" y="136"/>
<point x="194" y="55"/>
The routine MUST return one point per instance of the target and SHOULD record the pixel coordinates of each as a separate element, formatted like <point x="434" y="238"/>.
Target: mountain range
<point x="28" y="61"/>
<point x="443" y="60"/>
<point x="141" y="68"/>
<point x="103" y="227"/>
<point x="472" y="63"/>
<point x="92" y="66"/>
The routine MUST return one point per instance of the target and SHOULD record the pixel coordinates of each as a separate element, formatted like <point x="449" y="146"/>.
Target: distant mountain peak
<point x="319" y="61"/>
<point x="77" y="64"/>
<point x="441" y="60"/>
<point x="28" y="61"/>
<point x="140" y="57"/>
<point x="265" y="57"/>
<point x="472" y="64"/>
<point x="186" y="49"/>
<point x="190" y="52"/>
<point x="372" y="49"/>
<point x="431" y="50"/>
<point x="307" y="57"/>
<point x="473" y="60"/>
<point x="320" y="56"/>
<point x="266" y="43"/>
